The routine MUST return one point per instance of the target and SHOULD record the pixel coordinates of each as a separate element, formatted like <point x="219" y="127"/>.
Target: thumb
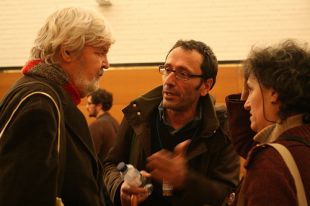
<point x="145" y="174"/>
<point x="181" y="148"/>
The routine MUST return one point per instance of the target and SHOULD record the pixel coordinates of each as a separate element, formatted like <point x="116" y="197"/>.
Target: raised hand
<point x="170" y="166"/>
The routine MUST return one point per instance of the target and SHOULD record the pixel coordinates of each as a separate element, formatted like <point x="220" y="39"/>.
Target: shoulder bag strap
<point x="58" y="200"/>
<point x="291" y="164"/>
<point x="25" y="98"/>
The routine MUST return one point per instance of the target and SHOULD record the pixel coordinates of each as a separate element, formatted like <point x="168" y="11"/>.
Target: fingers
<point x="170" y="166"/>
<point x="159" y="163"/>
<point x="164" y="160"/>
<point x="145" y="174"/>
<point x="163" y="157"/>
<point x="127" y="192"/>
<point x="181" y="148"/>
<point x="130" y="190"/>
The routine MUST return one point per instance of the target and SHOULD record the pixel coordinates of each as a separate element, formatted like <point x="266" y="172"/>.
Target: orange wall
<point x="128" y="83"/>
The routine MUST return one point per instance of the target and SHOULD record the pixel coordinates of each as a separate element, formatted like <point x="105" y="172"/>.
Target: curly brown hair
<point x="286" y="69"/>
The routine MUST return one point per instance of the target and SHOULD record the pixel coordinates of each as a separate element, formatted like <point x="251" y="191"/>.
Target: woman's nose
<point x="247" y="105"/>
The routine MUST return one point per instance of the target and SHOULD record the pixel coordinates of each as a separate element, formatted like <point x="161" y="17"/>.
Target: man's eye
<point x="168" y="70"/>
<point x="183" y="73"/>
<point x="100" y="53"/>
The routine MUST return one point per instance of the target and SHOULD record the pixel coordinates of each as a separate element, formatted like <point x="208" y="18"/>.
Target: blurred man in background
<point x="104" y="129"/>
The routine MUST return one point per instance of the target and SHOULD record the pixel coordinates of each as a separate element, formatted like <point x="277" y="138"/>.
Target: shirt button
<point x="138" y="113"/>
<point x="134" y="105"/>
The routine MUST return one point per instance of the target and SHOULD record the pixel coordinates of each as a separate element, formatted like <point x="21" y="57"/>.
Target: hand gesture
<point x="170" y="166"/>
<point x="129" y="194"/>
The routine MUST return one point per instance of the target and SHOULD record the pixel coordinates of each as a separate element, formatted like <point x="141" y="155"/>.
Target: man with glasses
<point x="173" y="134"/>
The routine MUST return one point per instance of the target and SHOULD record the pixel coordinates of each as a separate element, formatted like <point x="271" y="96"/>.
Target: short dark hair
<point x="286" y="69"/>
<point x="209" y="66"/>
<point x="103" y="97"/>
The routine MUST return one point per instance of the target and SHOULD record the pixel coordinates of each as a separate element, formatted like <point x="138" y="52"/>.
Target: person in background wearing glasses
<point x="104" y="129"/>
<point x="173" y="135"/>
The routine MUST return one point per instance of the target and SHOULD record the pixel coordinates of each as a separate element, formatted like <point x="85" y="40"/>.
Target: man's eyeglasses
<point x="182" y="75"/>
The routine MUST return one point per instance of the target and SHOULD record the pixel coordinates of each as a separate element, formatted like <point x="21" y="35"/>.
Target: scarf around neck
<point x="272" y="132"/>
<point x="53" y="73"/>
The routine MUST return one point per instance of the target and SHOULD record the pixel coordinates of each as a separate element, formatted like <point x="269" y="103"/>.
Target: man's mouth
<point x="168" y="93"/>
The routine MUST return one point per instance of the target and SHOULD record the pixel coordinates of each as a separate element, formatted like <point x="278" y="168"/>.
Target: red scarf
<point x="69" y="87"/>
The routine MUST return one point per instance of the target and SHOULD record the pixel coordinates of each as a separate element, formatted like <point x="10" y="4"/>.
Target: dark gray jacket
<point x="213" y="164"/>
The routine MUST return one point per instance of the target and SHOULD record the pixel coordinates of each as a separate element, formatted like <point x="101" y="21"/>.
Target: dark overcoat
<point x="32" y="172"/>
<point x="212" y="161"/>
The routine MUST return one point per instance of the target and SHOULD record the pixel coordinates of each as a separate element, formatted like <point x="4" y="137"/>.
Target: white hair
<point x="71" y="28"/>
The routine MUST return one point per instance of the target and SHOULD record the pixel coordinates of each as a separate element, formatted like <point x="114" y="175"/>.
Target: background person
<point x="104" y="129"/>
<point x="278" y="106"/>
<point x="67" y="60"/>
<point x="173" y="133"/>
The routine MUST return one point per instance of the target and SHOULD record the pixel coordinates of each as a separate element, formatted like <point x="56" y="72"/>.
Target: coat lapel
<point x="75" y="122"/>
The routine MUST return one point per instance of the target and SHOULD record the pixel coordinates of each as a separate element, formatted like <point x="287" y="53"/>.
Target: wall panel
<point x="127" y="84"/>
<point x="146" y="29"/>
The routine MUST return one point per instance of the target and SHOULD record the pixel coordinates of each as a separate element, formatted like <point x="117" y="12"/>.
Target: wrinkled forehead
<point x="180" y="57"/>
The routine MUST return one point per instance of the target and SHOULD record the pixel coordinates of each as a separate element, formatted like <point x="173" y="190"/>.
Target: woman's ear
<point x="274" y="97"/>
<point x="65" y="55"/>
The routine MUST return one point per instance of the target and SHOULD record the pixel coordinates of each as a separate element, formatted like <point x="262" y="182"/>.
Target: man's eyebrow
<point x="102" y="49"/>
<point x="178" y="67"/>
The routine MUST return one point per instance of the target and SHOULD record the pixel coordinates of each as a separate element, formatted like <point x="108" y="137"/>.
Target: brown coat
<point x="268" y="180"/>
<point x="103" y="131"/>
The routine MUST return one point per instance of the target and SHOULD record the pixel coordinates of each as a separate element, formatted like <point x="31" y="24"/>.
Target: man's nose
<point x="170" y="78"/>
<point x="105" y="63"/>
